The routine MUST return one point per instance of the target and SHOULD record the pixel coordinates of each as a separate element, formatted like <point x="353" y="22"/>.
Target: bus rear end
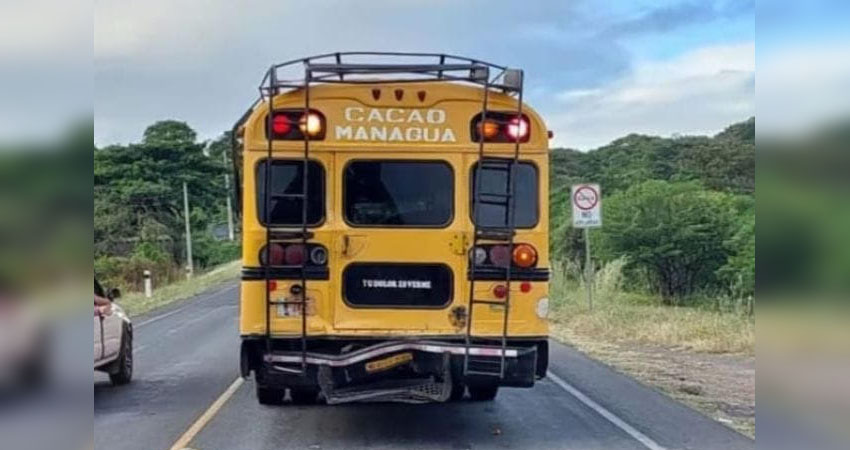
<point x="395" y="233"/>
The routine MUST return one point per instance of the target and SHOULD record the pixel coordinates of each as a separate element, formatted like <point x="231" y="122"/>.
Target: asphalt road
<point x="187" y="357"/>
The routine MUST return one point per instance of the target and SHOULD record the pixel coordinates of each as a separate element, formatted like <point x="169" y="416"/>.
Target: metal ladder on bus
<point x="289" y="237"/>
<point x="503" y="235"/>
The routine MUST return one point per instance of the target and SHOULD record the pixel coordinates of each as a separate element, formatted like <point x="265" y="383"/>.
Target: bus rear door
<point x="402" y="267"/>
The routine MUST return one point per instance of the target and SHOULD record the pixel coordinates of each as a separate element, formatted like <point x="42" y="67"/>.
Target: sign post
<point x="587" y="213"/>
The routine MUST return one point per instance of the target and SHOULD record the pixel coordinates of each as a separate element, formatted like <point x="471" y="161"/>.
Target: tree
<point x="138" y="189"/>
<point x="169" y="133"/>
<point x="675" y="232"/>
<point x="739" y="272"/>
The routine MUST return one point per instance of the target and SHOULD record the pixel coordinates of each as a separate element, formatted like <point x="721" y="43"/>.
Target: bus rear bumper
<point x="408" y="371"/>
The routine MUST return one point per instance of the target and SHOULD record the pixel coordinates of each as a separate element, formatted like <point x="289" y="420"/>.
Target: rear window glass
<point x="287" y="177"/>
<point x="398" y="193"/>
<point x="494" y="181"/>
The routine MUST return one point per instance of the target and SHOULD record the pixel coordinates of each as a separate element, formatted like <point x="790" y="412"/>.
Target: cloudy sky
<point x="596" y="70"/>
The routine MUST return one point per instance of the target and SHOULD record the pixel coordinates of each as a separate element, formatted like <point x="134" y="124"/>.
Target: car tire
<point x="483" y="393"/>
<point x="270" y="396"/>
<point x="122" y="369"/>
<point x="303" y="396"/>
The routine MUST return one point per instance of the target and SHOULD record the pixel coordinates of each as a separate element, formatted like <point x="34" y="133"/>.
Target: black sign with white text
<point x="397" y="285"/>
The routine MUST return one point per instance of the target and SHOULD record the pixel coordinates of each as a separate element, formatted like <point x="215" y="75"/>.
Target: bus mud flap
<point x="411" y="390"/>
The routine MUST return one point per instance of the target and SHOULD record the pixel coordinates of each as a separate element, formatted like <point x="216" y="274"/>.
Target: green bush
<point x="739" y="272"/>
<point x="676" y="233"/>
<point x="127" y="273"/>
<point x="207" y="251"/>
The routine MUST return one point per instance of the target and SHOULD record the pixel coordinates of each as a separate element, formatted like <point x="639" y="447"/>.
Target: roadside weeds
<point x="703" y="358"/>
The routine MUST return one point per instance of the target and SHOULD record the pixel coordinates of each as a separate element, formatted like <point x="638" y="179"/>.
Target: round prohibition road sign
<point x="585" y="198"/>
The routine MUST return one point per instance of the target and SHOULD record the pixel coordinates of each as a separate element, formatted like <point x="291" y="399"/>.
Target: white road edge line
<point x="171" y="313"/>
<point x="161" y="316"/>
<point x="608" y="415"/>
<point x="207" y="416"/>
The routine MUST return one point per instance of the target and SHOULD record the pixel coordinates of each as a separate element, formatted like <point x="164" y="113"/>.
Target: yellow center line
<point x="207" y="416"/>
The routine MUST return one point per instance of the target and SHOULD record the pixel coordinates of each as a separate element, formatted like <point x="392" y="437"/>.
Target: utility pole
<point x="190" y="269"/>
<point x="227" y="197"/>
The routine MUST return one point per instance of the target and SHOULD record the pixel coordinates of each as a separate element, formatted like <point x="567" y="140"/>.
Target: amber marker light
<point x="524" y="256"/>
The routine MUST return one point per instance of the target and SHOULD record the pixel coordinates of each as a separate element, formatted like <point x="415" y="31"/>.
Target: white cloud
<point x="143" y="30"/>
<point x="699" y="92"/>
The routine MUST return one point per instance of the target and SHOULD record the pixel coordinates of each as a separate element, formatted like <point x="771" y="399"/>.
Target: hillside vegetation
<point x="674" y="265"/>
<point x="679" y="211"/>
<point x="139" y="209"/>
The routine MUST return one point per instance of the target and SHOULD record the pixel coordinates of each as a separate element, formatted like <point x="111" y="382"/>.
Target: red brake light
<point x="500" y="256"/>
<point x="281" y="124"/>
<point x="272" y="255"/>
<point x="294" y="254"/>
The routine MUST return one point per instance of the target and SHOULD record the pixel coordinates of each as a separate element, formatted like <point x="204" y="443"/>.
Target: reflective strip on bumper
<point x="366" y="354"/>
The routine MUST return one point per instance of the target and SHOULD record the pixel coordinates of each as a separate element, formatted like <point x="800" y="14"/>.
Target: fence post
<point x="148" y="287"/>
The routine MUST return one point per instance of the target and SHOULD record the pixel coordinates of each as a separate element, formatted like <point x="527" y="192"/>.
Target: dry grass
<point x="700" y="356"/>
<point x="136" y="303"/>
<point x="621" y="317"/>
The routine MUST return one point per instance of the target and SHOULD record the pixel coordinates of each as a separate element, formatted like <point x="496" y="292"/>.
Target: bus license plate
<point x="389" y="363"/>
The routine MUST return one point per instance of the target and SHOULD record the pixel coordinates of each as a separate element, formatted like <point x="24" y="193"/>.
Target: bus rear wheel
<point x="270" y="396"/>
<point x="458" y="389"/>
<point x="303" y="396"/>
<point x="483" y="393"/>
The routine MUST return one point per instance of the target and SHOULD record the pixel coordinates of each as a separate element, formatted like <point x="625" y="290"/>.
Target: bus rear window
<point x="398" y="193"/>
<point x="287" y="177"/>
<point x="494" y="181"/>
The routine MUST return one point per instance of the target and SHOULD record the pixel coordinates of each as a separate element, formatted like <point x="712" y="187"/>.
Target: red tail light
<point x="500" y="256"/>
<point x="293" y="125"/>
<point x="281" y="124"/>
<point x="272" y="255"/>
<point x="522" y="255"/>
<point x="294" y="255"/>
<point x="501" y="126"/>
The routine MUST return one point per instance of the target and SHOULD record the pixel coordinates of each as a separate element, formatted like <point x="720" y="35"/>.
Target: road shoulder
<point x="721" y="386"/>
<point x="669" y="422"/>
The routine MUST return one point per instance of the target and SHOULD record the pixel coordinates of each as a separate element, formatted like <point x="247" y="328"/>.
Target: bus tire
<point x="458" y="389"/>
<point x="270" y="396"/>
<point x="303" y="396"/>
<point x="483" y="393"/>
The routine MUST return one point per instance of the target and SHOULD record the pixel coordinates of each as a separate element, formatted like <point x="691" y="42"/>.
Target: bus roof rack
<point x="391" y="67"/>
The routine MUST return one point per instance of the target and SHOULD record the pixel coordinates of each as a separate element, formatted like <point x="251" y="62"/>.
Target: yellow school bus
<point x="395" y="230"/>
